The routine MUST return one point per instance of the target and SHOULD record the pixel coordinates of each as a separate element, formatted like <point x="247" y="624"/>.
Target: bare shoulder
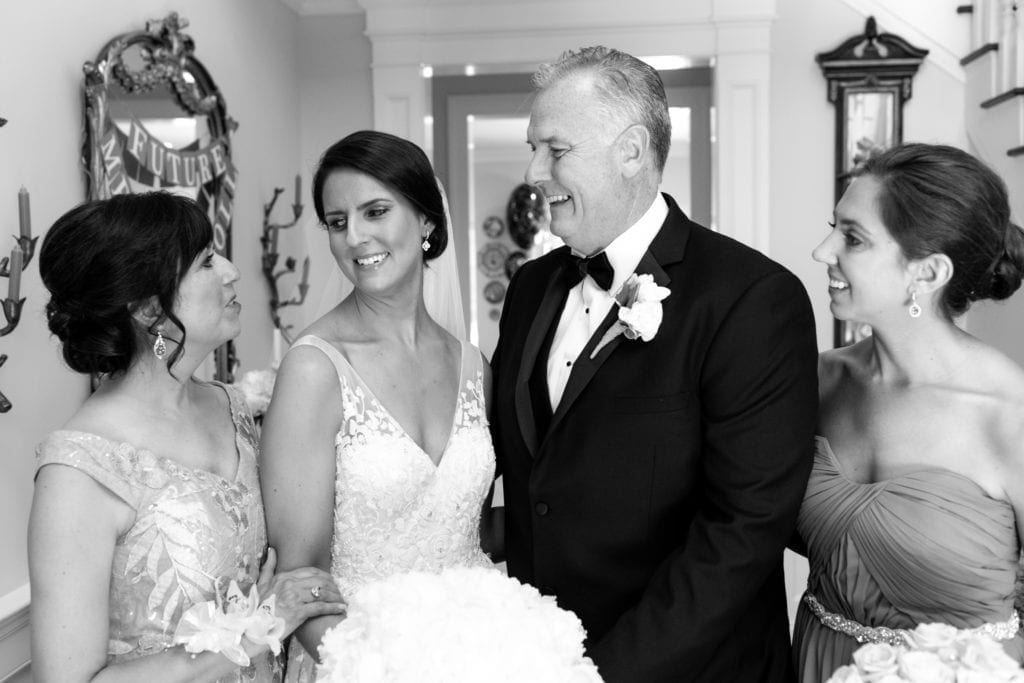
<point x="308" y="369"/>
<point x="1001" y="381"/>
<point x="838" y="367"/>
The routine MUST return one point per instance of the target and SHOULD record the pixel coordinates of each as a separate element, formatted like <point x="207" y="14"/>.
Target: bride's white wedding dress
<point x="395" y="511"/>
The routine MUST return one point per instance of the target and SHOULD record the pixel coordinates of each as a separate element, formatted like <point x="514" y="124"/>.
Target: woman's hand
<point x="301" y="593"/>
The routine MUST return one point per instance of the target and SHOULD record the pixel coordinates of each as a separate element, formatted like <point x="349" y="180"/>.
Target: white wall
<point x="250" y="48"/>
<point x="803" y="132"/>
<point x="335" y="100"/>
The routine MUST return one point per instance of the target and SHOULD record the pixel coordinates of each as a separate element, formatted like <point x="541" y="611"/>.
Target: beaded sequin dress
<point x="929" y="546"/>
<point x="395" y="510"/>
<point x="193" y="530"/>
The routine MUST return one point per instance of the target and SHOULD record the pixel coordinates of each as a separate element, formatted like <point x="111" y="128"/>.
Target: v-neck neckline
<point x="390" y="416"/>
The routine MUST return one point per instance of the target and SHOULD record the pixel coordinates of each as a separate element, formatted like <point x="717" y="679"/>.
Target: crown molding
<point x="319" y="8"/>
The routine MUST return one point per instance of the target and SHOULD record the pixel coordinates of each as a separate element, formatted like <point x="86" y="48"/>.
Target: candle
<point x="298" y="188"/>
<point x="278" y="343"/>
<point x="305" y="271"/>
<point x="14" y="284"/>
<point x="273" y="240"/>
<point x="24" y="217"/>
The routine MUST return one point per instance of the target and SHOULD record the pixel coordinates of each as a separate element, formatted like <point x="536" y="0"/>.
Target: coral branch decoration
<point x="271" y="257"/>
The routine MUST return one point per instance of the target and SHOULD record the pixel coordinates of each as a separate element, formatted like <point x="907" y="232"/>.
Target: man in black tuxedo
<point x="652" y="470"/>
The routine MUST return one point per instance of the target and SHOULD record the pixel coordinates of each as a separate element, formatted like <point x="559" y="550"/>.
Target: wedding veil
<point x="441" y="292"/>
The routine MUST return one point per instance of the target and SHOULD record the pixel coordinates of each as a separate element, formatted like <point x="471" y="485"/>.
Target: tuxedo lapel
<point x="550" y="305"/>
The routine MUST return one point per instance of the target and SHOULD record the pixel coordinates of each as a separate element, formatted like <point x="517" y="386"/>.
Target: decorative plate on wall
<point x="512" y="263"/>
<point x="491" y="259"/>
<point x="494" y="226"/>
<point x="494" y="292"/>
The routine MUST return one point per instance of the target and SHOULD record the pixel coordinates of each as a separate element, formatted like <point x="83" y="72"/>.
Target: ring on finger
<point x="315" y="592"/>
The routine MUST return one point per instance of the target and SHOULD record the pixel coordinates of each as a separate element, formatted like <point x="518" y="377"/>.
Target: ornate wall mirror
<point x="155" y="120"/>
<point x="869" y="80"/>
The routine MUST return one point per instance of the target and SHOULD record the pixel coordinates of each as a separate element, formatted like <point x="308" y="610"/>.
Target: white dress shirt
<point x="588" y="304"/>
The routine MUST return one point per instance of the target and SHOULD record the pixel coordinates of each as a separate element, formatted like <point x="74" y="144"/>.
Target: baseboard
<point x="15" y="642"/>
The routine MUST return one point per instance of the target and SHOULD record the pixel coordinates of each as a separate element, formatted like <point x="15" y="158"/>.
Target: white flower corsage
<point x="257" y="386"/>
<point x="639" y="300"/>
<point x="219" y="625"/>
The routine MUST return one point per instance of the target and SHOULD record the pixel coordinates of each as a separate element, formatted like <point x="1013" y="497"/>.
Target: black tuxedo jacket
<point x="658" y="502"/>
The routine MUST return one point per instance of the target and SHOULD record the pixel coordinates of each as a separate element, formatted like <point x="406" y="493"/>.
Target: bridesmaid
<point x="147" y="501"/>
<point x="914" y="512"/>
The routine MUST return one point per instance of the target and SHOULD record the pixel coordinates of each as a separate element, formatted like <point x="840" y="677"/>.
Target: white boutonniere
<point x="639" y="301"/>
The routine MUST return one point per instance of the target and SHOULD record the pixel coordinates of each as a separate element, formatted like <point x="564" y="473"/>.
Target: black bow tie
<point x="597" y="267"/>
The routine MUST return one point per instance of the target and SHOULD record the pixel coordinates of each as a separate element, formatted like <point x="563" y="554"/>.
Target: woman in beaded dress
<point x="914" y="512"/>
<point x="147" y="501"/>
<point x="377" y="454"/>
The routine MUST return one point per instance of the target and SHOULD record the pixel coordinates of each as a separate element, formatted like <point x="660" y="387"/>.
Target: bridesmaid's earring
<point x="159" y="346"/>
<point x="914" y="309"/>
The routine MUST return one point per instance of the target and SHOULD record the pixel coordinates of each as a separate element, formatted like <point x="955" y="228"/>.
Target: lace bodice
<point x="395" y="511"/>
<point x="193" y="529"/>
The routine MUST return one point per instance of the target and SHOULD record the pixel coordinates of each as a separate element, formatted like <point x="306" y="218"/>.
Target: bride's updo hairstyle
<point x="102" y="259"/>
<point x="395" y="162"/>
<point x="937" y="199"/>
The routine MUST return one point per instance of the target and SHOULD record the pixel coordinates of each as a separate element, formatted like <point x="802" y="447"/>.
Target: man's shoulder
<point x="727" y="256"/>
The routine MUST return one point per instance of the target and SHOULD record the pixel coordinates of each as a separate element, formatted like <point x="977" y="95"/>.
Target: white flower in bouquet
<point x="257" y="386"/>
<point x="464" y="624"/>
<point x="932" y="653"/>
<point x="876" y="660"/>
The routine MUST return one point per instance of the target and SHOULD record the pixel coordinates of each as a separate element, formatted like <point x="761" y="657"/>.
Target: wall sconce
<point x="271" y="256"/>
<point x="11" y="268"/>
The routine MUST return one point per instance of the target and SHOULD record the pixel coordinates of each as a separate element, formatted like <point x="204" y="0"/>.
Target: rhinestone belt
<point x="1000" y="630"/>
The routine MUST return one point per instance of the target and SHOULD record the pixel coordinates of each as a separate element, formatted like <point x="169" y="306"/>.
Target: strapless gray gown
<point x="930" y="546"/>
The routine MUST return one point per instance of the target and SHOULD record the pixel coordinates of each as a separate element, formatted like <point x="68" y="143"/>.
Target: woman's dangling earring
<point x="159" y="346"/>
<point x="914" y="309"/>
<point x="425" y="246"/>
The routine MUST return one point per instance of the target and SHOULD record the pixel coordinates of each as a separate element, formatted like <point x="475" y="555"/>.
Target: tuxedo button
<point x="541" y="509"/>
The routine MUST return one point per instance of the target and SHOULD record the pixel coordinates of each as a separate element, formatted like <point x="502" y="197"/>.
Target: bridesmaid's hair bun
<point x="937" y="199"/>
<point x="1008" y="267"/>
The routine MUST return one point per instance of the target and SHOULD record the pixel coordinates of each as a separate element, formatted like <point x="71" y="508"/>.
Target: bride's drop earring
<point x="425" y="246"/>
<point x="914" y="309"/>
<point x="159" y="346"/>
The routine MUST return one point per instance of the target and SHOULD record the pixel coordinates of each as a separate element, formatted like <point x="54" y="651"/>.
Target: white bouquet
<point x="933" y="653"/>
<point x="464" y="624"/>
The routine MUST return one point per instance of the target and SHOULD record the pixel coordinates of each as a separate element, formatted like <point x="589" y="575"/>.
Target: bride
<point x="377" y="457"/>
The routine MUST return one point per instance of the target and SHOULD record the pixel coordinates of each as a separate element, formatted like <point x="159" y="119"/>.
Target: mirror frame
<point x="870" y="63"/>
<point x="167" y="62"/>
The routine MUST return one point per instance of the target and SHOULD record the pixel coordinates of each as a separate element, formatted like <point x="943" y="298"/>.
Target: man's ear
<point x="634" y="148"/>
<point x="932" y="272"/>
<point x="147" y="312"/>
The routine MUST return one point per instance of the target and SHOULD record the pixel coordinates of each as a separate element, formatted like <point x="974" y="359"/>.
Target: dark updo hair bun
<point x="1009" y="268"/>
<point x="103" y="258"/>
<point x="938" y="199"/>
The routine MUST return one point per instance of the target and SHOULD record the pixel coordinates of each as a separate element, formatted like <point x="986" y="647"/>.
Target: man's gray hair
<point x="629" y="89"/>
